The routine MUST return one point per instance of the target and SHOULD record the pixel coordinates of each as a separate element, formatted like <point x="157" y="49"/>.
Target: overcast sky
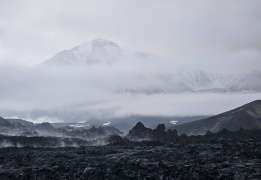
<point x="206" y="32"/>
<point x="212" y="35"/>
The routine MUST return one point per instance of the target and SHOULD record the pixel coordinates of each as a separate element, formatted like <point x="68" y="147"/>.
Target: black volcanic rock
<point x="198" y="160"/>
<point x="139" y="131"/>
<point x="240" y="134"/>
<point x="171" y="135"/>
<point x="114" y="139"/>
<point x="161" y="127"/>
<point x="247" y="116"/>
<point x="159" y="133"/>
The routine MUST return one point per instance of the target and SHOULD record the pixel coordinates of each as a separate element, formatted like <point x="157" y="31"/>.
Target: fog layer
<point x="91" y="90"/>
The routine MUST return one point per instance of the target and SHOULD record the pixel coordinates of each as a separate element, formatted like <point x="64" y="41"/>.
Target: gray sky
<point x="215" y="36"/>
<point x="210" y="33"/>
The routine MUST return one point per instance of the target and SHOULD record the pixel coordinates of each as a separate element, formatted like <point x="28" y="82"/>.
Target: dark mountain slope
<point x="4" y="122"/>
<point x="21" y="121"/>
<point x="247" y="116"/>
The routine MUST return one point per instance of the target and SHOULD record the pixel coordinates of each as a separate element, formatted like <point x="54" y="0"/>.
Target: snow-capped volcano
<point x="150" y="74"/>
<point x="96" y="51"/>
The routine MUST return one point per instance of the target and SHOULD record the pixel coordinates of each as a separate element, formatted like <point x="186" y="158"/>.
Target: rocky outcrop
<point x="159" y="133"/>
<point x="140" y="132"/>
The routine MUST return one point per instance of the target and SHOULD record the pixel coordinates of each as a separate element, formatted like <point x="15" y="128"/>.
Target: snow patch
<point x="173" y="122"/>
<point x="107" y="124"/>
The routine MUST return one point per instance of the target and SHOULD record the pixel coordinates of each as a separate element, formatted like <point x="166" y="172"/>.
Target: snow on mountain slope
<point x="96" y="51"/>
<point x="150" y="74"/>
<point x="193" y="81"/>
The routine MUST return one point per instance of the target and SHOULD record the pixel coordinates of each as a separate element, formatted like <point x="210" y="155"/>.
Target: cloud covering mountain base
<point x="51" y="94"/>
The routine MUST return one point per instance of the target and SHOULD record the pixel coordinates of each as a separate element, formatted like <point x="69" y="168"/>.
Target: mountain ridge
<point x="95" y="51"/>
<point x="247" y="116"/>
<point x="151" y="81"/>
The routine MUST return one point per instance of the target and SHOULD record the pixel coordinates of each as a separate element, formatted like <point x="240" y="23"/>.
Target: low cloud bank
<point x="62" y="94"/>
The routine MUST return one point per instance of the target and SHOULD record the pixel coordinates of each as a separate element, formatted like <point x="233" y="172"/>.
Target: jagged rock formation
<point x="159" y="133"/>
<point x="140" y="132"/>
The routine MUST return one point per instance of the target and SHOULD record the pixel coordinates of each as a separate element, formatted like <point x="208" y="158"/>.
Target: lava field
<point x="208" y="159"/>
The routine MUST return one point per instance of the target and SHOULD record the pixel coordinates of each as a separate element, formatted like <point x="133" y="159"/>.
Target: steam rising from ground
<point x="92" y="89"/>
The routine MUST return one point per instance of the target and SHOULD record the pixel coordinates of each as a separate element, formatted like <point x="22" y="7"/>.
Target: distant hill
<point x="247" y="116"/>
<point x="18" y="127"/>
<point x="45" y="127"/>
<point x="4" y="122"/>
<point x="21" y="121"/>
<point x="125" y="123"/>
